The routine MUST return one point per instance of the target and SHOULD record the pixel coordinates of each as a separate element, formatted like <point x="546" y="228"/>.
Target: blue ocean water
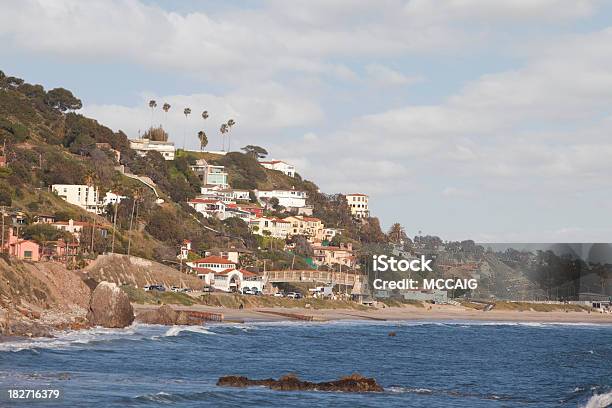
<point x="427" y="364"/>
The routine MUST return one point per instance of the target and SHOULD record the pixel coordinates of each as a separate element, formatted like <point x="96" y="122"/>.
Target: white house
<point x="286" y="198"/>
<point x="71" y="226"/>
<point x="210" y="174"/>
<point x="358" y="204"/>
<point x="143" y="146"/>
<point x="227" y="195"/>
<point x="276" y="227"/>
<point x="235" y="280"/>
<point x="279" y="165"/>
<point x="80" y="195"/>
<point x="112" y="198"/>
<point x="208" y="207"/>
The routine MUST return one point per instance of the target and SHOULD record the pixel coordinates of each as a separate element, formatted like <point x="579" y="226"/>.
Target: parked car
<point x="279" y="294"/>
<point x="159" y="288"/>
<point x="256" y="291"/>
<point x="247" y="291"/>
<point x="294" y="295"/>
<point x="175" y="289"/>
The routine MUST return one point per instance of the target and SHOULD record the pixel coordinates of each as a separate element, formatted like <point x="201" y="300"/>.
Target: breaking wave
<point x="176" y="330"/>
<point x="599" y="401"/>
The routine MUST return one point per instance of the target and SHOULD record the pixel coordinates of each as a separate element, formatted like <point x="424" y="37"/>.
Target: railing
<point x="342" y="278"/>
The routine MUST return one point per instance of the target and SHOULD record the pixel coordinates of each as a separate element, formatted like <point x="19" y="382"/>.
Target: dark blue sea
<point x="427" y="364"/>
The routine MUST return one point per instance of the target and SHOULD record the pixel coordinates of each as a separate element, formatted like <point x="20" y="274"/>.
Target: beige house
<point x="330" y="255"/>
<point x="310" y="227"/>
<point x="276" y="227"/>
<point x="358" y="204"/>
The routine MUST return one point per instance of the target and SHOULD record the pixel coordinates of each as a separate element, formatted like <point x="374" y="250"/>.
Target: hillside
<point x="124" y="270"/>
<point x="47" y="142"/>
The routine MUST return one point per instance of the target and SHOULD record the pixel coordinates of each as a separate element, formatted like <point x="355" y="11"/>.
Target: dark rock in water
<point x="353" y="383"/>
<point x="391" y="334"/>
<point x="109" y="306"/>
<point x="167" y="316"/>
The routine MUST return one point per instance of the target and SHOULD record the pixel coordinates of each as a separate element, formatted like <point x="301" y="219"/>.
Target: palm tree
<point x="223" y="130"/>
<point x="166" y="108"/>
<point x="203" y="139"/>
<point x="152" y="105"/>
<point x="396" y="233"/>
<point x="230" y="123"/>
<point x="186" y="112"/>
<point x="205" y="115"/>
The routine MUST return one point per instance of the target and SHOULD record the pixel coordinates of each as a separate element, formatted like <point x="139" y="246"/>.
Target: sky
<point x="466" y="119"/>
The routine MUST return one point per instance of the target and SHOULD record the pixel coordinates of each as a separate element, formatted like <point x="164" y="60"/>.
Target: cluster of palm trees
<point x="202" y="137"/>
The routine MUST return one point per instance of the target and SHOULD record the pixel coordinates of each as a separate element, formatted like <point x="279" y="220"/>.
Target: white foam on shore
<point x="74" y="338"/>
<point x="599" y="401"/>
<point x="176" y="330"/>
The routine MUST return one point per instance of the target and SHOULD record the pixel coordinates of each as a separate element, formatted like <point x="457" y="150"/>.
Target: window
<point x="27" y="254"/>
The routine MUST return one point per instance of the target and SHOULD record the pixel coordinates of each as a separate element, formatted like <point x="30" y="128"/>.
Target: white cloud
<point x="385" y="76"/>
<point x="257" y="110"/>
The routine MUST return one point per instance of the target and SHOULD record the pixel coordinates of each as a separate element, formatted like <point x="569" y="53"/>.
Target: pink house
<point x="22" y="248"/>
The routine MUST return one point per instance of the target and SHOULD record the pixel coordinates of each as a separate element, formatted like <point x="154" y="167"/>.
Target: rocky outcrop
<point x="167" y="316"/>
<point x="353" y="383"/>
<point x="110" y="307"/>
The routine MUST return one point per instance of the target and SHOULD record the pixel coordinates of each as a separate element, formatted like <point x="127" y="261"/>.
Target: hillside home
<point x="274" y="227"/>
<point x="310" y="227"/>
<point x="144" y="146"/>
<point x="330" y="255"/>
<point x="208" y="207"/>
<point x="71" y="226"/>
<point x="80" y="195"/>
<point x="279" y="165"/>
<point x="22" y="248"/>
<point x="112" y="198"/>
<point x="358" y="204"/>
<point x="210" y="174"/>
<point x="290" y="199"/>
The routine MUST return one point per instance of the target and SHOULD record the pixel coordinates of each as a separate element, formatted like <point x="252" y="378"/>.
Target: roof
<point x="204" y="201"/>
<point x="203" y="270"/>
<point x="214" y="260"/>
<point x="330" y="248"/>
<point x="357" y="194"/>
<point x="248" y="274"/>
<point x="75" y="223"/>
<point x="225" y="271"/>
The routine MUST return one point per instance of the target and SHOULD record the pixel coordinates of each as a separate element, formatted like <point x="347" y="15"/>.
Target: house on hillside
<point x="290" y="199"/>
<point x="279" y="165"/>
<point x="330" y="255"/>
<point x="208" y="207"/>
<point x="80" y="195"/>
<point x="144" y="146"/>
<point x="112" y="198"/>
<point x="358" y="204"/>
<point x="274" y="227"/>
<point x="21" y="248"/>
<point x="72" y="226"/>
<point x="310" y="227"/>
<point x="210" y="174"/>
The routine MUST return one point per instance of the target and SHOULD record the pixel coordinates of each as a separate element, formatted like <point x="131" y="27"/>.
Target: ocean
<point x="426" y="364"/>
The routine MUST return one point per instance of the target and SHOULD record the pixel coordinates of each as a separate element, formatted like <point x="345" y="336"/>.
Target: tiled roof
<point x="214" y="260"/>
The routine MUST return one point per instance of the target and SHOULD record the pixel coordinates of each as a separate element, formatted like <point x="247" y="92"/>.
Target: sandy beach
<point x="433" y="312"/>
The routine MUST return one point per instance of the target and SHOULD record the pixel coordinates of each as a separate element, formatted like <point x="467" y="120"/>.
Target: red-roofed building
<point x="215" y="263"/>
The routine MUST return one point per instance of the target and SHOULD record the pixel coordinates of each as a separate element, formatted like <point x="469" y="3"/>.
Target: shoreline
<point x="436" y="312"/>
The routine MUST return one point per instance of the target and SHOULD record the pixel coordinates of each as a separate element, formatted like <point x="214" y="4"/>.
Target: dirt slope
<point x="139" y="272"/>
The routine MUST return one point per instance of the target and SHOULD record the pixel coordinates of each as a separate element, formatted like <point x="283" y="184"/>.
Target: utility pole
<point x="2" y="248"/>
<point x="114" y="228"/>
<point x="131" y="222"/>
<point x="93" y="233"/>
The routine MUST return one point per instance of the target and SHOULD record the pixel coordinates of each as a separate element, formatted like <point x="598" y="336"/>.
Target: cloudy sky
<point x="478" y="119"/>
